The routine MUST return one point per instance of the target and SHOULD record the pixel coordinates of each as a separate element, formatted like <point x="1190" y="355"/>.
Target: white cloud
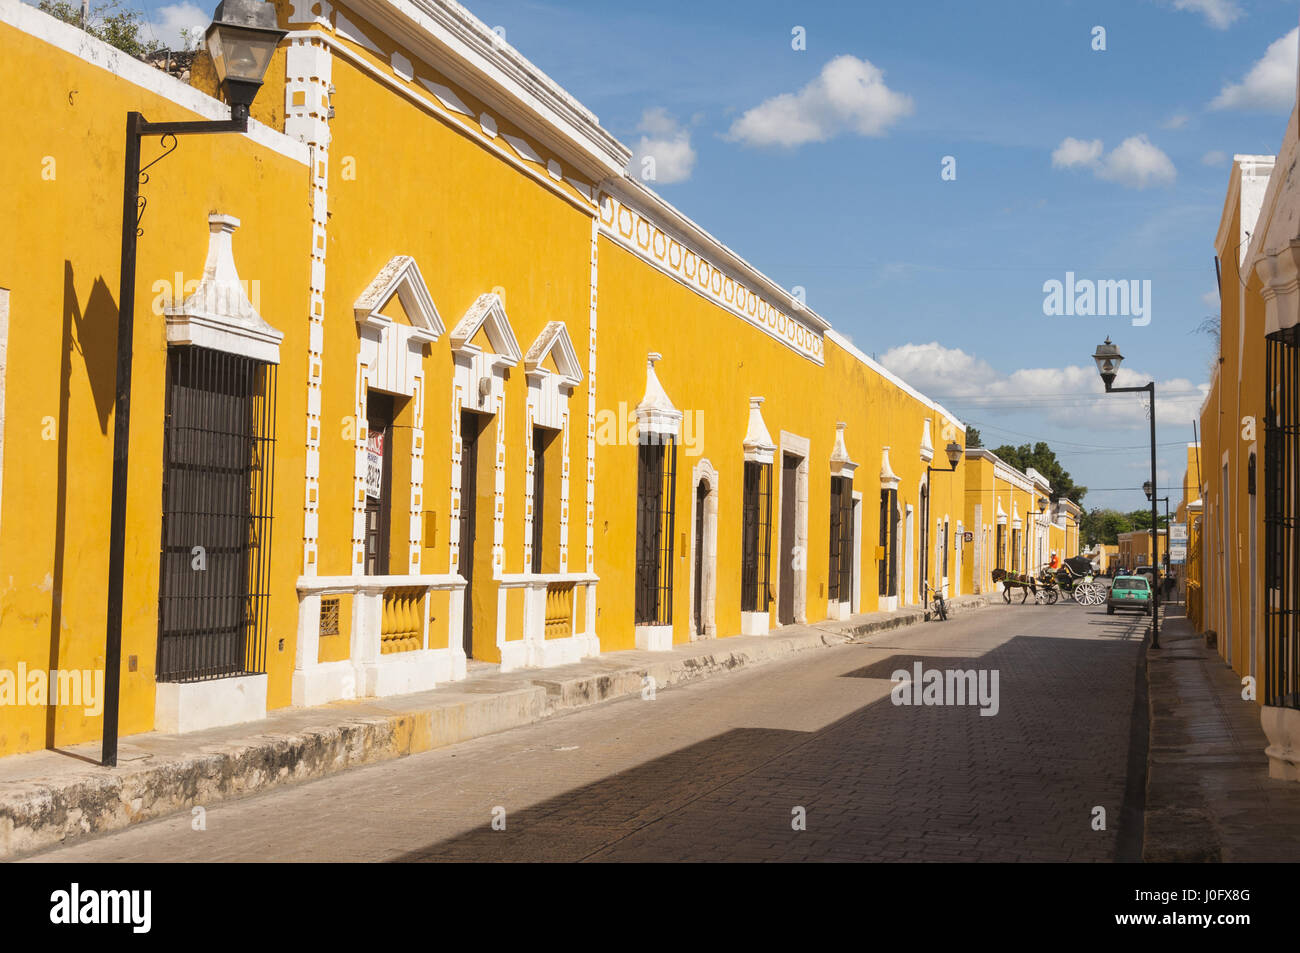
<point x="967" y="382"/>
<point x="1270" y="83"/>
<point x="167" y="22"/>
<point x="1215" y="157"/>
<point x="667" y="144"/>
<point x="850" y="96"/>
<point x="1073" y="152"/>
<point x="1135" y="163"/>
<point x="1211" y="299"/>
<point x="1218" y="13"/>
<point x="1176" y="121"/>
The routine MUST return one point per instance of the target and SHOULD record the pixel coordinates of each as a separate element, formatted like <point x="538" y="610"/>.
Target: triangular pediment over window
<point x="553" y="352"/>
<point x="400" y="279"/>
<point x="487" y="314"/>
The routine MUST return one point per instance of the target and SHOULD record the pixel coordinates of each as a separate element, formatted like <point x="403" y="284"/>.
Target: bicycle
<point x="939" y="605"/>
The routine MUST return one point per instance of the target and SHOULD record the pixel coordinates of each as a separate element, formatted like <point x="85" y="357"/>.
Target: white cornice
<point x="460" y="46"/>
<point x="672" y="220"/>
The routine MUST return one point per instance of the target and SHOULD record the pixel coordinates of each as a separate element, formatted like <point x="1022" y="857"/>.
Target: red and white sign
<point x="375" y="464"/>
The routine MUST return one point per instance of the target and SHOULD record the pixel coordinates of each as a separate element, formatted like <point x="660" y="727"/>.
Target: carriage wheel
<point x="1042" y="596"/>
<point x="1052" y="596"/>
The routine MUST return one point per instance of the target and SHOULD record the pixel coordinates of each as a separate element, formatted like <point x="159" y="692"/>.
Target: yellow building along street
<point x="374" y="440"/>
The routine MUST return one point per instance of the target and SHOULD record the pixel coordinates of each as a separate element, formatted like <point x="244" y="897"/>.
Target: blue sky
<point x="822" y="167"/>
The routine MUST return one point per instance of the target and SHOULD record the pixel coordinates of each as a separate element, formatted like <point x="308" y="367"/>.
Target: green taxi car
<point x="1129" y="592"/>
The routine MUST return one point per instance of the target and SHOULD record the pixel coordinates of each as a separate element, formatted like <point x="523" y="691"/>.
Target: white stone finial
<point x="841" y="463"/>
<point x="219" y="315"/>
<point x="888" y="478"/>
<point x="927" y="445"/>
<point x="758" y="445"/>
<point x="656" y="413"/>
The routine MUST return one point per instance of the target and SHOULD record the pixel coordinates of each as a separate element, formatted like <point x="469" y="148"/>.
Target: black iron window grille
<point x="218" y="482"/>
<point x="656" y="501"/>
<point x="888" y="569"/>
<point x="1015" y="550"/>
<point x="329" y="616"/>
<point x="1002" y="547"/>
<point x="756" y="537"/>
<point x="1282" y="521"/>
<point x="840" y="583"/>
<point x="945" y="550"/>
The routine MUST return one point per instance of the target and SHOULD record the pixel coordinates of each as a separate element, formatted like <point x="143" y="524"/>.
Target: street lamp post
<point x="1149" y="489"/>
<point x="1108" y="360"/>
<point x="953" y="452"/>
<point x="241" y="38"/>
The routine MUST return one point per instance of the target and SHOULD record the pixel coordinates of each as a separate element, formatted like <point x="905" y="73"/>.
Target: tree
<point x="1043" y="459"/>
<point x="107" y="22"/>
<point x="973" y="440"/>
<point x="1104" y="526"/>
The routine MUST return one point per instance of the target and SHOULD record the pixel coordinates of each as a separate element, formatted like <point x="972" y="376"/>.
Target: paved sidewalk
<point x="54" y="797"/>
<point x="1209" y="796"/>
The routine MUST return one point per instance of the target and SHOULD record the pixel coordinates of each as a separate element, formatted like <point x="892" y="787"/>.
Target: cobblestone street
<point x="718" y="770"/>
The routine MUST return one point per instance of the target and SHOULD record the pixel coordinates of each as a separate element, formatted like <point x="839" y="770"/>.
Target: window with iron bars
<point x="840" y="583"/>
<point x="889" y="543"/>
<point x="1002" y="547"/>
<point x="656" y="502"/>
<point x="218" y="482"/>
<point x="1282" y="520"/>
<point x="756" y="537"/>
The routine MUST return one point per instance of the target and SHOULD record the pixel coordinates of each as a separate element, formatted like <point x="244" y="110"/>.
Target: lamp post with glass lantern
<point x="241" y="39"/>
<point x="953" y="452"/>
<point x="1108" y="360"/>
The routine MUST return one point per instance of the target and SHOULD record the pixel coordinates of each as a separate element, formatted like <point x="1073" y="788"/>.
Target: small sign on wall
<point x="375" y="464"/>
<point x="968" y="537"/>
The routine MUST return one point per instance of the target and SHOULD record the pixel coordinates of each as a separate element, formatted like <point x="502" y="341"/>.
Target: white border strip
<point x="69" y="39"/>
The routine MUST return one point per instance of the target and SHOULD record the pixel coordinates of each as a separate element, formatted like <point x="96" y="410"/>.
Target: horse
<point x="1016" y="580"/>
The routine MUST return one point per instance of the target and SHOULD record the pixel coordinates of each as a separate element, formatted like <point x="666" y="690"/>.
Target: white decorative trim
<point x="842" y="464"/>
<point x="888" y="478"/>
<point x="390" y="359"/>
<point x="534" y="650"/>
<point x="479" y="384"/>
<point x="62" y="36"/>
<point x="452" y="40"/>
<point x="676" y="256"/>
<point x="401" y="277"/>
<point x="757" y="445"/>
<point x="927" y="447"/>
<point x="219" y="315"/>
<point x="590" y="517"/>
<point x="548" y="406"/>
<point x="1279" y="270"/>
<point x="655" y="414"/>
<point x="800" y="447"/>
<point x="704" y="471"/>
<point x="308" y="67"/>
<point x="368" y="672"/>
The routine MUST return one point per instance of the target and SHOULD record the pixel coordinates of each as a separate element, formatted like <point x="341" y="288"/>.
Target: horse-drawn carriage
<point x="1073" y="580"/>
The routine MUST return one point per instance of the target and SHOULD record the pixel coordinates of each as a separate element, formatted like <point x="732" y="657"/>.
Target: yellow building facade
<point x="425" y="377"/>
<point x="1013" y="521"/>
<point x="1240" y="495"/>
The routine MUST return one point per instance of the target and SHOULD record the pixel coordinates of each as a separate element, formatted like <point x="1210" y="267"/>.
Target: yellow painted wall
<point x="62" y="267"/>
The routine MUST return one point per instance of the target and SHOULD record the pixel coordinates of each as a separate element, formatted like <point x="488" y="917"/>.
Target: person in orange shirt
<point x="1055" y="563"/>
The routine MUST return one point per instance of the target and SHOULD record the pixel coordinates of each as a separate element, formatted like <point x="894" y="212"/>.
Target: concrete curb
<point x="151" y="781"/>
